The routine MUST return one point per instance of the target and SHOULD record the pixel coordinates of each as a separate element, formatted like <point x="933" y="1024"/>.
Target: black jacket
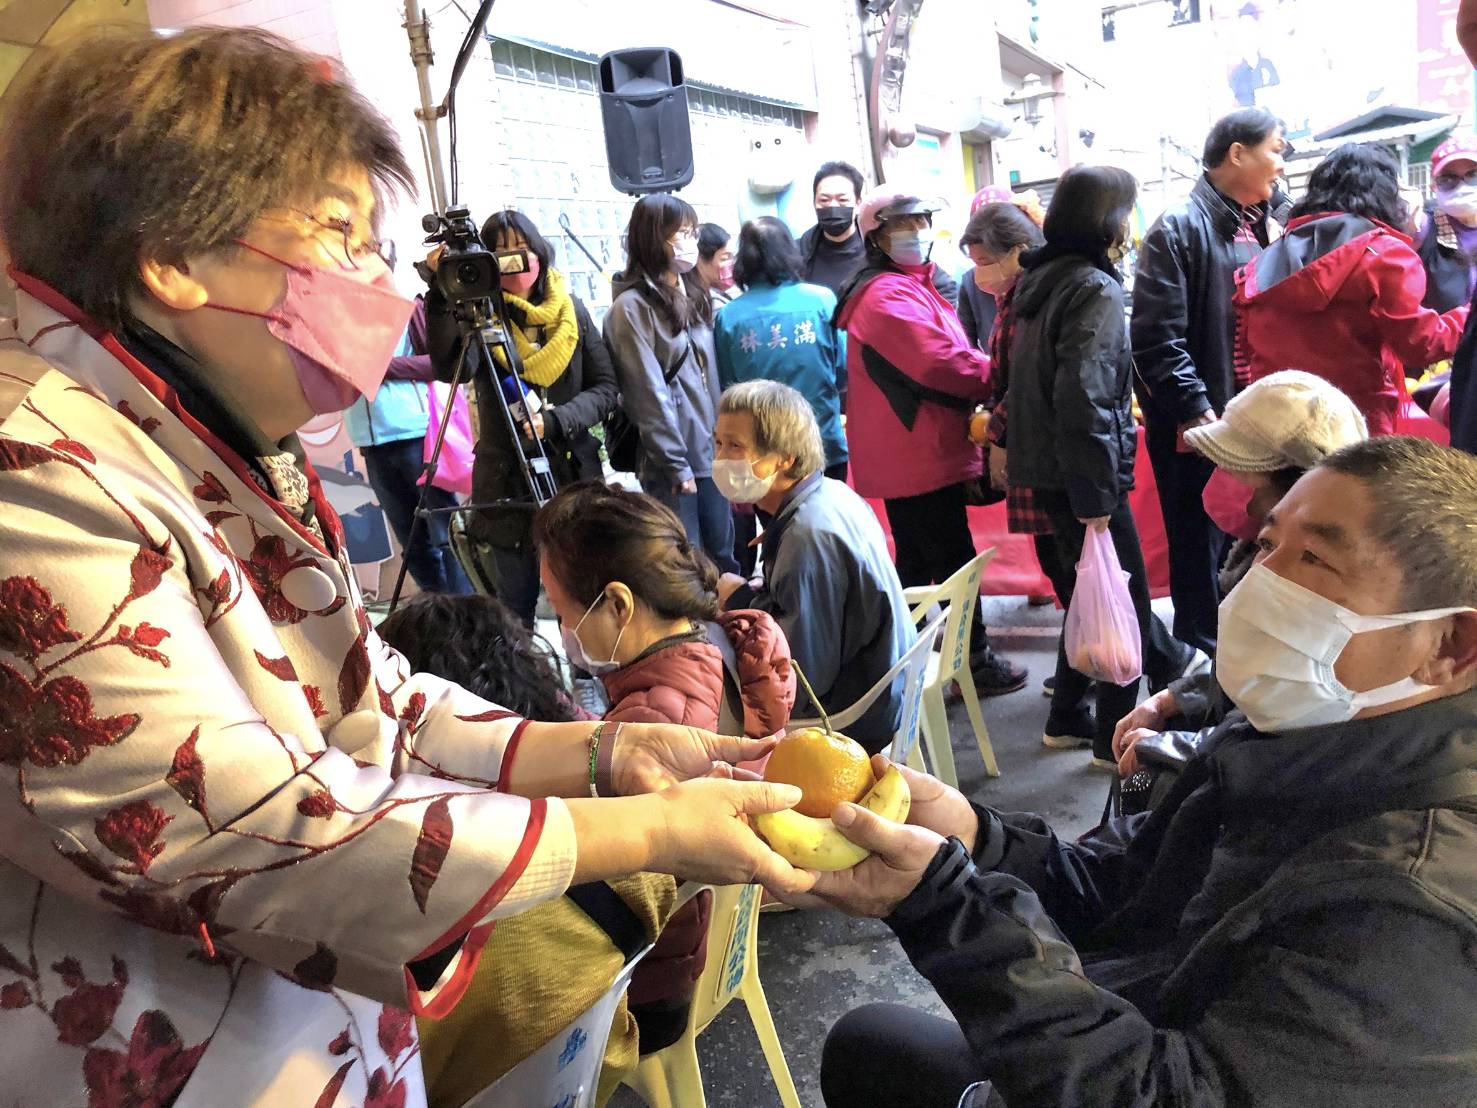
<point x="1295" y="925"/>
<point x="581" y="398"/>
<point x="810" y="244"/>
<point x="1184" y="327"/>
<point x="1448" y="273"/>
<point x="977" y="310"/>
<point x="1070" y="407"/>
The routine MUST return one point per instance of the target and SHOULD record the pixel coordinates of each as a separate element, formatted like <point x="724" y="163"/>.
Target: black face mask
<point x="835" y="221"/>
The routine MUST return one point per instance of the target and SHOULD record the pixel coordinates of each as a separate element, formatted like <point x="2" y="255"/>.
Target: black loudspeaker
<point x="643" y="108"/>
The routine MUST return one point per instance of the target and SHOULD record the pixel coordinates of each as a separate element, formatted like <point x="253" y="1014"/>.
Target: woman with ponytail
<point x="638" y="606"/>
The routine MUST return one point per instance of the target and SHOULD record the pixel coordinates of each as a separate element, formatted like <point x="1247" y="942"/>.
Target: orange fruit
<point x="829" y="769"/>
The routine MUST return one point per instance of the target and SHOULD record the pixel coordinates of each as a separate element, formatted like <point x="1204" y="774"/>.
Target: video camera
<point x="466" y="270"/>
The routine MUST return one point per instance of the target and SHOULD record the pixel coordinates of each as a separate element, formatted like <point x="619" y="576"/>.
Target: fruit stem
<point x="800" y="673"/>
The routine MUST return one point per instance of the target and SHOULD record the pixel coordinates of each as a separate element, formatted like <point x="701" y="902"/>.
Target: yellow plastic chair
<point x="958" y="595"/>
<point x="912" y="668"/>
<point x="672" y="1078"/>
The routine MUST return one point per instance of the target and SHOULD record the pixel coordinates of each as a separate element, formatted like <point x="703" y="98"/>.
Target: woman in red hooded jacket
<point x="1339" y="295"/>
<point x="638" y="607"/>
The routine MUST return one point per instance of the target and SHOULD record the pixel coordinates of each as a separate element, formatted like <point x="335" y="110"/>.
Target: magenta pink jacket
<point x="900" y="318"/>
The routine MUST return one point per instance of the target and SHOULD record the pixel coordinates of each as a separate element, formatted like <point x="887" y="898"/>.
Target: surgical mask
<point x="737" y="481"/>
<point x="1276" y="650"/>
<point x="1460" y="204"/>
<point x="911" y="247"/>
<point x="684" y="255"/>
<point x="725" y="276"/>
<point x="574" y="650"/>
<point x="1227" y="501"/>
<point x="341" y="327"/>
<point x="519" y="284"/>
<point x="835" y="221"/>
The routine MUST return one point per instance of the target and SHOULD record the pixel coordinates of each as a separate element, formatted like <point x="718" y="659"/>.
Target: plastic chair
<point x="913" y="666"/>
<point x="959" y="595"/>
<point x="565" y="1071"/>
<point x="672" y="1078"/>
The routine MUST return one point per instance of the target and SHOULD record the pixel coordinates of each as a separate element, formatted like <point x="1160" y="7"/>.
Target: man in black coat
<point x="832" y="252"/>
<point x="1183" y="335"/>
<point x="1295" y="924"/>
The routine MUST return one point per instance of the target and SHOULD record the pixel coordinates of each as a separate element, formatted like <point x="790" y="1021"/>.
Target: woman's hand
<point x="1148" y="718"/>
<point x="648" y="757"/>
<point x="997" y="468"/>
<point x="1096" y="523"/>
<point x="707" y="838"/>
<point x="901" y="854"/>
<point x="688" y="487"/>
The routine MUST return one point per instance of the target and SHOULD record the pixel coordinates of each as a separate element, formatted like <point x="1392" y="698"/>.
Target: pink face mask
<point x="341" y="327"/>
<point x="1227" y="501"/>
<point x="725" y="276"/>
<point x="519" y="284"/>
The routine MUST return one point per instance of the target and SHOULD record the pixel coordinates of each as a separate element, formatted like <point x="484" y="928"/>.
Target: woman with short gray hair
<point x="827" y="580"/>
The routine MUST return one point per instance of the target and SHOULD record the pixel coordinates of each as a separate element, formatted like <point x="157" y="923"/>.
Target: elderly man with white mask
<point x="1297" y="923"/>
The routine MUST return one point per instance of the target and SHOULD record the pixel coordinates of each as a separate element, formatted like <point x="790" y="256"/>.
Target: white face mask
<point x="737" y="481"/>
<point x="1460" y="204"/>
<point x="684" y="255"/>
<point x="911" y="247"/>
<point x="1277" y="647"/>
<point x="574" y="650"/>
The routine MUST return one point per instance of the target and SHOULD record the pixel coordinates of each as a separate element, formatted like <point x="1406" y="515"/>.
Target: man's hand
<point x="688" y="487"/>
<point x="935" y="806"/>
<point x="537" y="422"/>
<point x="1148" y="718"/>
<point x="901" y="854"/>
<point x="648" y="757"/>
<point x="1204" y="419"/>
<point x="729" y="584"/>
<point x="1095" y="523"/>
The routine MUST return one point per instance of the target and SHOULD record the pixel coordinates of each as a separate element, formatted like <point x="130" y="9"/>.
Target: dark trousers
<point x="891" y="1056"/>
<point x="513" y="574"/>
<point x="1196" y="545"/>
<point x="1164" y="658"/>
<point x="708" y="518"/>
<point x="393" y="469"/>
<point x="930" y="534"/>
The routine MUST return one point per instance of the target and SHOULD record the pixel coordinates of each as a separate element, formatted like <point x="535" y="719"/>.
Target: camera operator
<point x="571" y="387"/>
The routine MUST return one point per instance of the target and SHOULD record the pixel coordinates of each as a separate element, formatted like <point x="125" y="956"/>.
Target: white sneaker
<point x="1107" y="765"/>
<point x="1066" y="742"/>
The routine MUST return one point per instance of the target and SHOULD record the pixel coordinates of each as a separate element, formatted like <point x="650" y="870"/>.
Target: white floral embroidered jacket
<point x="230" y="817"/>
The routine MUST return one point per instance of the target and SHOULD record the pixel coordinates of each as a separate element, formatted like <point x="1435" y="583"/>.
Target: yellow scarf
<point x="544" y="366"/>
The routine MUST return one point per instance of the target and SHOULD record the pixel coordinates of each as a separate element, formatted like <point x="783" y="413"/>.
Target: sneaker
<point x="1048" y="688"/>
<point x="1041" y="600"/>
<point x="1106" y="765"/>
<point x="1075" y="731"/>
<point x="995" y="675"/>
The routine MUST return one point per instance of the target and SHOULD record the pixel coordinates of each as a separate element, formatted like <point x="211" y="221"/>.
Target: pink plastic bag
<point x="1102" y="631"/>
<point x="454" y="467"/>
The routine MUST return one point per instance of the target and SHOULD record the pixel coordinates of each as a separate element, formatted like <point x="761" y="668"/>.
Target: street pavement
<point x="816" y="965"/>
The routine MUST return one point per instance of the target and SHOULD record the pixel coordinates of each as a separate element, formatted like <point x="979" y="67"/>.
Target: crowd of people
<point x="255" y="843"/>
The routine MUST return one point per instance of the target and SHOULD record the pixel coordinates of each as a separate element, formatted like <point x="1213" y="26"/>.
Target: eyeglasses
<point x="1450" y="182"/>
<point x="338" y="232"/>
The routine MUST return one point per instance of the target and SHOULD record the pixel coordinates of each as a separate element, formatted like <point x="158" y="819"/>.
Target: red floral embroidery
<point x="280" y="668"/>
<point x="74" y="448"/>
<point x="211" y="490"/>
<point x="53" y="724"/>
<point x="314" y="696"/>
<point x="14" y="995"/>
<point x="146" y="425"/>
<point x="317" y="970"/>
<point x="383" y="1094"/>
<point x="341" y="1043"/>
<point x="142" y="641"/>
<point x="187" y="773"/>
<point x="431" y="847"/>
<point x="269" y="563"/>
<point x="353" y="677"/>
<point x="30" y="622"/>
<point x="88" y="1010"/>
<point x="150" y="1075"/>
<point x="318" y="805"/>
<point x="133" y="831"/>
<point x="396" y="1032"/>
<point x="147" y="570"/>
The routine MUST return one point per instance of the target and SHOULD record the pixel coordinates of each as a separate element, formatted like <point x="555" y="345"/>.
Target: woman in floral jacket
<point x="240" y="842"/>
